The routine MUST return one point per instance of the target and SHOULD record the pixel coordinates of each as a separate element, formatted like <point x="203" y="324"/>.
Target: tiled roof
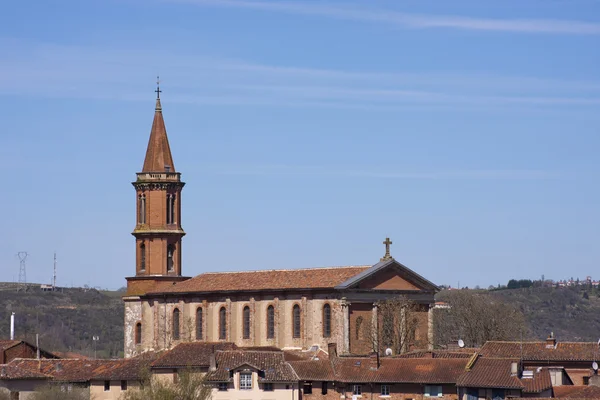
<point x="314" y="278"/>
<point x="313" y="370"/>
<point x="541" y="381"/>
<point x="124" y="369"/>
<point x="61" y="370"/>
<point x="491" y="373"/>
<point x="7" y="344"/>
<point x="399" y="370"/>
<point x="13" y="372"/>
<point x="271" y="364"/>
<point x="193" y="354"/>
<point x="158" y="153"/>
<point x="577" y="392"/>
<point x="538" y="351"/>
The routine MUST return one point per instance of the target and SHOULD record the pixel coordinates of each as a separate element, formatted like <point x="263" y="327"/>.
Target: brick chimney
<point x="374" y="360"/>
<point x="332" y="350"/>
<point x="551" y="341"/>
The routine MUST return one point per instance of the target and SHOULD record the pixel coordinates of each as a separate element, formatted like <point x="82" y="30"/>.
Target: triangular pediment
<point x="389" y="275"/>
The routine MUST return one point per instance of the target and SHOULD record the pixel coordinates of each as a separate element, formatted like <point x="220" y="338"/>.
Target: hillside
<point x="66" y="320"/>
<point x="573" y="314"/>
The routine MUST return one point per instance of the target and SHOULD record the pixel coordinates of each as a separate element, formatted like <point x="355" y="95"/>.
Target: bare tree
<point x="476" y="318"/>
<point x="190" y="385"/>
<point x="60" y="392"/>
<point x="398" y="320"/>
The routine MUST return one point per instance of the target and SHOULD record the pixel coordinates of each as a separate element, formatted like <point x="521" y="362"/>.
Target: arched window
<point x="170" y="208"/>
<point x="296" y="321"/>
<point x="170" y="254"/>
<point x="326" y="320"/>
<point x="199" y="333"/>
<point x="138" y="333"/>
<point x="142" y="208"/>
<point x="142" y="257"/>
<point x="270" y="322"/>
<point x="246" y="322"/>
<point x="222" y="323"/>
<point x="176" y="324"/>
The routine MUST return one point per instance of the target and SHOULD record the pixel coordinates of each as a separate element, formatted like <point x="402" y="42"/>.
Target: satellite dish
<point x="388" y="352"/>
<point x="595" y="366"/>
<point x="461" y="343"/>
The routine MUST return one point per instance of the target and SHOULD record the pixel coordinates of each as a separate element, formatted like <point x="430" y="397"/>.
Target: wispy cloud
<point x="406" y="20"/>
<point x="60" y="71"/>
<point x="328" y="172"/>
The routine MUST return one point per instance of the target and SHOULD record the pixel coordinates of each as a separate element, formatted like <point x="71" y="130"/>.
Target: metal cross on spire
<point x="158" y="91"/>
<point x="387" y="255"/>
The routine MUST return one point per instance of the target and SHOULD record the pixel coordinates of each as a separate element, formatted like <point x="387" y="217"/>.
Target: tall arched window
<point x="246" y="322"/>
<point x="138" y="333"/>
<point x="142" y="209"/>
<point x="222" y="323"/>
<point x="270" y="322"/>
<point x="199" y="330"/>
<point x="142" y="257"/>
<point x="296" y="321"/>
<point x="326" y="320"/>
<point x="176" y="324"/>
<point x="170" y="255"/>
<point x="170" y="208"/>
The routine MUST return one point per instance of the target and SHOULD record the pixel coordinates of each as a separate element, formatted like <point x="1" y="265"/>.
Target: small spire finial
<point x="158" y="91"/>
<point x="387" y="255"/>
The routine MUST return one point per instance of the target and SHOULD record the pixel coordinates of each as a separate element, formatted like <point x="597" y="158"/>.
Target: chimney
<point x="332" y="349"/>
<point x="374" y="360"/>
<point x="212" y="363"/>
<point x="551" y="341"/>
<point x="514" y="368"/>
<point x="12" y="326"/>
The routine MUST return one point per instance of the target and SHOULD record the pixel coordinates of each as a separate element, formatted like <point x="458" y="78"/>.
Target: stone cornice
<point x="158" y="185"/>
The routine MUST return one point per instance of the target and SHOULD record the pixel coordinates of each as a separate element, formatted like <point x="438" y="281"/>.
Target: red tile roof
<point x="193" y="354"/>
<point x="314" y="370"/>
<point x="577" y="392"/>
<point x="541" y="381"/>
<point x="61" y="370"/>
<point x="313" y="278"/>
<point x="13" y="372"/>
<point x="438" y="354"/>
<point x="272" y="365"/>
<point x="491" y="373"/>
<point x="125" y="369"/>
<point x="399" y="370"/>
<point x="7" y="344"/>
<point x="538" y="351"/>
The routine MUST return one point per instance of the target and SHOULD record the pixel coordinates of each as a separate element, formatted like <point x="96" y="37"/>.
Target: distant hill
<point x="66" y="320"/>
<point x="572" y="313"/>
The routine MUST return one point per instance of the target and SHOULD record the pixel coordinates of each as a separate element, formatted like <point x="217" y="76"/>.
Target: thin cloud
<point x="415" y="21"/>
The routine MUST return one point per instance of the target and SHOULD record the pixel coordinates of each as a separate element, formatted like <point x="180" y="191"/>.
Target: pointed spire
<point x="158" y="155"/>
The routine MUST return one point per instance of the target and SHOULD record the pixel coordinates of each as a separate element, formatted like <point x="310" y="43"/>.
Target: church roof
<point x="158" y="154"/>
<point x="313" y="278"/>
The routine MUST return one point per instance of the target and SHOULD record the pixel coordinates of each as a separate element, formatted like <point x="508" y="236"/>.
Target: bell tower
<point x="158" y="230"/>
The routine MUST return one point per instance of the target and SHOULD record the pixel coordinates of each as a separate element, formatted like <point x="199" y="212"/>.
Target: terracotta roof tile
<point x="61" y="370"/>
<point x="399" y="370"/>
<point x="539" y="382"/>
<point x="272" y="365"/>
<point x="305" y="355"/>
<point x="7" y="344"/>
<point x="125" y="369"/>
<point x="577" y="392"/>
<point x="438" y="354"/>
<point x="13" y="372"/>
<point x="313" y="370"/>
<point x="490" y="373"/>
<point x="538" y="351"/>
<point x="193" y="354"/>
<point x="313" y="278"/>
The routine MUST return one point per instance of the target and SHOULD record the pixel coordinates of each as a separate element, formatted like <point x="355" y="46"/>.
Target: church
<point x="296" y="308"/>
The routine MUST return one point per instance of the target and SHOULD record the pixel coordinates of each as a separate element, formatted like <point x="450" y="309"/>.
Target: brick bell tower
<point x="158" y="230"/>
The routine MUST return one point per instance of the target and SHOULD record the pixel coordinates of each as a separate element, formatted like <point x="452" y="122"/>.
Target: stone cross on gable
<point x="387" y="255"/>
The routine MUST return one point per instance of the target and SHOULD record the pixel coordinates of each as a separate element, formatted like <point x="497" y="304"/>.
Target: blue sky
<point x="307" y="132"/>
